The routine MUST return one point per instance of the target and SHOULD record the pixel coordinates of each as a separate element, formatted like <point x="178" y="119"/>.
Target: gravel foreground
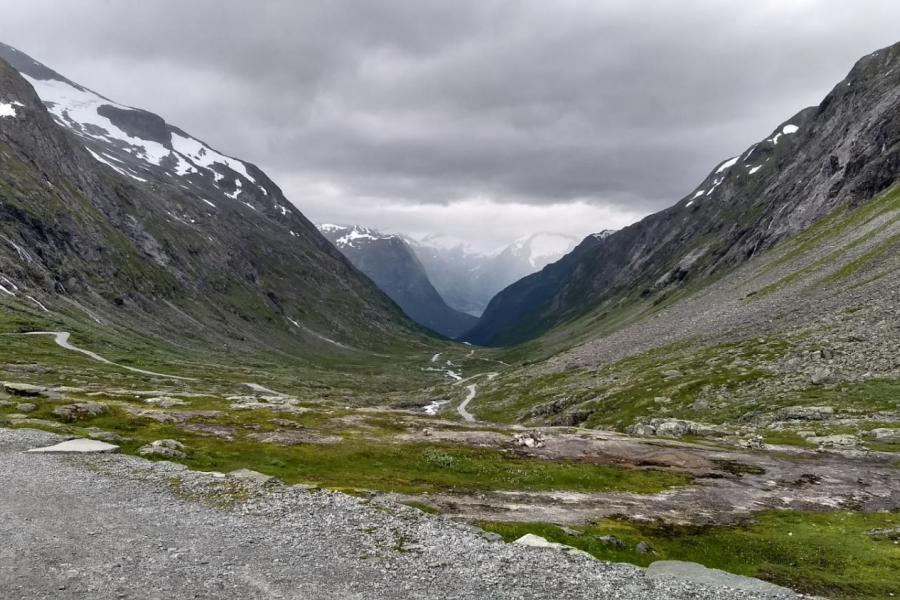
<point x="115" y="526"/>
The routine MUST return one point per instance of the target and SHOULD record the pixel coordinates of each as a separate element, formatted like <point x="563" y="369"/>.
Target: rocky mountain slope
<point x="468" y="279"/>
<point x="839" y="154"/>
<point x="113" y="218"/>
<point x="391" y="264"/>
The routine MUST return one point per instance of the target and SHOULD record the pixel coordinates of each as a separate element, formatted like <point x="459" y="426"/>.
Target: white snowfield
<point x="76" y="108"/>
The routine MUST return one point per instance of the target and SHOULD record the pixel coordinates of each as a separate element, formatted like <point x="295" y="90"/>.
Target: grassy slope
<point x="616" y="395"/>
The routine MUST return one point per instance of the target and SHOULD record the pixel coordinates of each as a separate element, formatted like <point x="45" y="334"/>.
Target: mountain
<point x="840" y="153"/>
<point x="393" y="266"/>
<point x="112" y="218"/>
<point x="468" y="279"/>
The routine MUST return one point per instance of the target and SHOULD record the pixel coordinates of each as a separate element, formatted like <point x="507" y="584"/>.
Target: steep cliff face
<point x="392" y="265"/>
<point x="840" y="153"/>
<point x="110" y="212"/>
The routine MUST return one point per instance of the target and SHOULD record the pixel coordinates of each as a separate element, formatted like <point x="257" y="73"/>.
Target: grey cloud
<point x="620" y="103"/>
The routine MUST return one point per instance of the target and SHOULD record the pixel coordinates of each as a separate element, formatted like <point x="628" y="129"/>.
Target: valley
<point x="718" y="383"/>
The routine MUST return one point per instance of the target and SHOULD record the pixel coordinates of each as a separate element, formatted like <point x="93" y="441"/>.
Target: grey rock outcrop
<point x="163" y="449"/>
<point x="80" y="411"/>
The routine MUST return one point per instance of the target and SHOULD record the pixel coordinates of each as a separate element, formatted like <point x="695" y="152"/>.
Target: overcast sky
<point x="482" y="119"/>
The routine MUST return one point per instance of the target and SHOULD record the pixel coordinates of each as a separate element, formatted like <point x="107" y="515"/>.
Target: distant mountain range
<point x="467" y="279"/>
<point x="392" y="265"/>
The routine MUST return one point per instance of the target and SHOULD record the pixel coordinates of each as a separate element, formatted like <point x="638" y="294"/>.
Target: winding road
<point x="62" y="340"/>
<point x="473" y="391"/>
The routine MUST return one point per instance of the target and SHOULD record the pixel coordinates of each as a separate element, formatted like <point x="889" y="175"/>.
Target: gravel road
<point x="115" y="526"/>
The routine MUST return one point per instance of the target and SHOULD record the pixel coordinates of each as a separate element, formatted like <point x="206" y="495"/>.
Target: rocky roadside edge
<point x="408" y="545"/>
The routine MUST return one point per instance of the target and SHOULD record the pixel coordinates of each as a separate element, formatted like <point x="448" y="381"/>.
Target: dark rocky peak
<point x="137" y="123"/>
<point x="842" y="152"/>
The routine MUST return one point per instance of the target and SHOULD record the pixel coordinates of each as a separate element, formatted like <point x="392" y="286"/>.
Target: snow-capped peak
<point x="134" y="142"/>
<point x="344" y="236"/>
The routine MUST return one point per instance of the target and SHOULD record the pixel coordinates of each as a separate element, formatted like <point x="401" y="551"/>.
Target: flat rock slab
<point x="251" y="476"/>
<point x="536" y="541"/>
<point x="697" y="573"/>
<point x="79" y="446"/>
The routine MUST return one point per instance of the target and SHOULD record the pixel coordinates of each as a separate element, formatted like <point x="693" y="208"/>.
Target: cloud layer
<point x="490" y="118"/>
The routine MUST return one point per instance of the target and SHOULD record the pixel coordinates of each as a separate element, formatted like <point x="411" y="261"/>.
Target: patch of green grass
<point x="826" y="554"/>
<point x="419" y="468"/>
<point x="373" y="463"/>
<point x="869" y="395"/>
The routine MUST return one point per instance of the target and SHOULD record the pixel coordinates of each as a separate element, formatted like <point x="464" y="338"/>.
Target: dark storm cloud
<point x="620" y="104"/>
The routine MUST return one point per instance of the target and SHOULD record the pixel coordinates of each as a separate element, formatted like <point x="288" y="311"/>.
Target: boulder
<point x="644" y="548"/>
<point x="671" y="428"/>
<point x="642" y="429"/>
<point x="885" y="435"/>
<point x="536" y="541"/>
<point x="754" y="442"/>
<point x="806" y="413"/>
<point x="890" y="534"/>
<point x="165" y="401"/>
<point x="163" y="449"/>
<point x="681" y="427"/>
<point x="101" y="434"/>
<point x="821" y="376"/>
<point x="250" y="476"/>
<point x="26" y="407"/>
<point x="529" y="439"/>
<point x="80" y="411"/>
<point x="842" y="440"/>
<point x="491" y="536"/>
<point x="24" y="389"/>
<point x="611" y="540"/>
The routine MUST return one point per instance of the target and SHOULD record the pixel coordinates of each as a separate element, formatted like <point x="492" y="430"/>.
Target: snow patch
<point x="115" y="168"/>
<point x="7" y="110"/>
<point x="76" y="108"/>
<point x="727" y="164"/>
<point x="754" y="169"/>
<point x="33" y="299"/>
<point x="238" y="188"/>
<point x="786" y="130"/>
<point x="204" y="156"/>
